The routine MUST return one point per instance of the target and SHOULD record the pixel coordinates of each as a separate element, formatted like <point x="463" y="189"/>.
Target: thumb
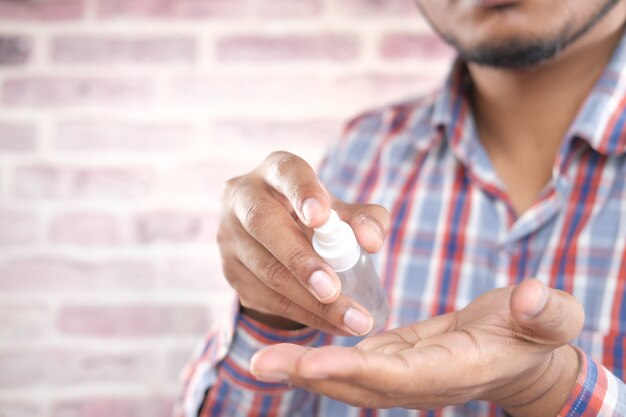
<point x="549" y="316"/>
<point x="370" y="223"/>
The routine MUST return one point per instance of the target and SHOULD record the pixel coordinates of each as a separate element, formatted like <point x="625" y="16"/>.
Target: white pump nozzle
<point x="336" y="243"/>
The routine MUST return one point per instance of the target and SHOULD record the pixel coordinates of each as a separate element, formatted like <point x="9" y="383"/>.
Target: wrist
<point x="547" y="394"/>
<point x="276" y="322"/>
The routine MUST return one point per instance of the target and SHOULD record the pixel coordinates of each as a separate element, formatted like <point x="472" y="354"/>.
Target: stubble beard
<point x="525" y="53"/>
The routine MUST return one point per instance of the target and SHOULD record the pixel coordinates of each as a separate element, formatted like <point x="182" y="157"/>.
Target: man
<point x="515" y="169"/>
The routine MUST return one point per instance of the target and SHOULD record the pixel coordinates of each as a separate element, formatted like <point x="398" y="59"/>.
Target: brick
<point x="287" y="8"/>
<point x="88" y="49"/>
<point x="51" y="92"/>
<point x="61" y="181"/>
<point x="10" y="408"/>
<point x="176" y="362"/>
<point x="379" y="8"/>
<point x="18" y="227"/>
<point x="342" y="96"/>
<point x="266" y="135"/>
<point x="132" y="321"/>
<point x="118" y="135"/>
<point x="171" y="9"/>
<point x="193" y="274"/>
<point x="258" y="48"/>
<point x="173" y="226"/>
<point x="14" y="50"/>
<point x="54" y="366"/>
<point x="413" y="46"/>
<point x="17" y="137"/>
<point x="207" y="178"/>
<point x="250" y="92"/>
<point x="22" y="321"/>
<point x="85" y="228"/>
<point x="365" y="91"/>
<point x="119" y="406"/>
<point x="11" y="10"/>
<point x="46" y="274"/>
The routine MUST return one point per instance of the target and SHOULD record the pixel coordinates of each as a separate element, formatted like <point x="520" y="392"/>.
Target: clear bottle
<point x="336" y="243"/>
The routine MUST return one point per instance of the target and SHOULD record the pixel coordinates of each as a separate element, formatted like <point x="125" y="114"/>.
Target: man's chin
<point x="513" y="54"/>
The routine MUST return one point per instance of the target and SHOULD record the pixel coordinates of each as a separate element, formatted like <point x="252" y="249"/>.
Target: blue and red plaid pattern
<point x="454" y="236"/>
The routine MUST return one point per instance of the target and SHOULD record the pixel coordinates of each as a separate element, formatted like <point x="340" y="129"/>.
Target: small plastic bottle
<point x="336" y="243"/>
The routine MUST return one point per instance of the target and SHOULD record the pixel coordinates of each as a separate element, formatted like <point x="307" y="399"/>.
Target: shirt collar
<point x="601" y="121"/>
<point x="451" y="97"/>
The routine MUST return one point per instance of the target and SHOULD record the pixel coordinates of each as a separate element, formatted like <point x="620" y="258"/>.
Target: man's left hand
<point x="509" y="346"/>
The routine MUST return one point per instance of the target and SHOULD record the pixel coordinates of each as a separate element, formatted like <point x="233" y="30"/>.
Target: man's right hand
<point x="265" y="243"/>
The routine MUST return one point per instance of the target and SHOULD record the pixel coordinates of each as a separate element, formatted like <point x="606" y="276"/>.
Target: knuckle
<point x="301" y="190"/>
<point x="254" y="218"/>
<point x="301" y="263"/>
<point x="284" y="306"/>
<point x="318" y="322"/>
<point x="230" y="275"/>
<point x="286" y="164"/>
<point x="227" y="271"/>
<point x="328" y="311"/>
<point x="229" y="187"/>
<point x="274" y="157"/>
<point x="221" y="235"/>
<point x="226" y="238"/>
<point x="273" y="273"/>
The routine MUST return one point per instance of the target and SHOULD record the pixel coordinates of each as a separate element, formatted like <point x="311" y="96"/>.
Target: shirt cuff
<point x="594" y="394"/>
<point x="263" y="335"/>
<point x="252" y="336"/>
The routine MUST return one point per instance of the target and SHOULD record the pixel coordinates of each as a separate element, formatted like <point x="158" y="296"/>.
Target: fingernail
<point x="310" y="208"/>
<point x="539" y="304"/>
<point x="373" y="226"/>
<point x="323" y="285"/>
<point x="273" y="377"/>
<point x="357" y="321"/>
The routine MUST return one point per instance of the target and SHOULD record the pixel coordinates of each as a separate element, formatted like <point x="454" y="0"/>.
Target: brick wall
<point x="119" y="121"/>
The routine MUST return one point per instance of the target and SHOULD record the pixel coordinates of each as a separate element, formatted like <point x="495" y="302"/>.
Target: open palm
<point x="499" y="348"/>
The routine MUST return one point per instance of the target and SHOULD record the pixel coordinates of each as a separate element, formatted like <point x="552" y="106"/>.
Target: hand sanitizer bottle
<point x="336" y="243"/>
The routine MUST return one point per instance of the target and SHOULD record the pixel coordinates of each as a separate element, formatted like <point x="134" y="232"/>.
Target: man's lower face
<point x="512" y="33"/>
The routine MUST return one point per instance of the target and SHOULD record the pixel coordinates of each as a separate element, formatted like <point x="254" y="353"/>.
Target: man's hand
<point x="508" y="347"/>
<point x="265" y="242"/>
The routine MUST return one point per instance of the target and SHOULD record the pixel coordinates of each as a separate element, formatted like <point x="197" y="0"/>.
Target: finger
<point x="270" y="365"/>
<point x="432" y="371"/>
<point x="262" y="262"/>
<point x="270" y="224"/>
<point x="294" y="178"/>
<point x="546" y="315"/>
<point x="370" y="223"/>
<point x="374" y="371"/>
<point x="253" y="294"/>
<point x="342" y="313"/>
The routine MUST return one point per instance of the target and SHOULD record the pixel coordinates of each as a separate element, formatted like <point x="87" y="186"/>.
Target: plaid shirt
<point x="454" y="236"/>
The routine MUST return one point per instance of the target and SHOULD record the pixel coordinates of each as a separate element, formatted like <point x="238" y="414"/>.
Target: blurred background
<point x="119" y="122"/>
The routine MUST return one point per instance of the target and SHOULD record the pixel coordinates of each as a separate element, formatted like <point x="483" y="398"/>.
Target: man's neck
<point x="522" y="115"/>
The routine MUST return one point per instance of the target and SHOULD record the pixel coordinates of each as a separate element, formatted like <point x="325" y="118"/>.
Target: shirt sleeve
<point x="217" y="381"/>
<point x="597" y="392"/>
